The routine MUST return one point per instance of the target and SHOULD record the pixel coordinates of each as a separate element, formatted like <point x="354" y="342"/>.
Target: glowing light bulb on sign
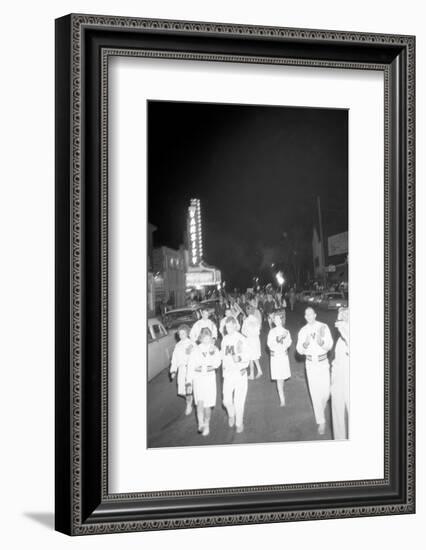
<point x="195" y="243"/>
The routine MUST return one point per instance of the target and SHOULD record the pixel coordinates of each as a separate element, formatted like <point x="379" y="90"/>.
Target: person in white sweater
<point x="314" y="341"/>
<point x="204" y="322"/>
<point x="340" y="377"/>
<point x="201" y="378"/>
<point x="235" y="361"/>
<point x="222" y="324"/>
<point x="251" y="330"/>
<point x="179" y="364"/>
<point x="278" y="342"/>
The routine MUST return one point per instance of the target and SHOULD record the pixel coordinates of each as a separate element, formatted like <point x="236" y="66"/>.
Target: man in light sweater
<point x="314" y="341"/>
<point x="235" y="362"/>
<point x="340" y="377"/>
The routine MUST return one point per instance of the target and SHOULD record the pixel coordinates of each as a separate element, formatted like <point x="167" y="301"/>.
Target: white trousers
<point x="339" y="398"/>
<point x="234" y="396"/>
<point x="318" y="374"/>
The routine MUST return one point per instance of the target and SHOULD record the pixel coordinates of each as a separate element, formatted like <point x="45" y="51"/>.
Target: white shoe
<point x="321" y="428"/>
<point x="239" y="429"/>
<point x="231" y="421"/>
<point x="206" y="430"/>
<point x="282" y="403"/>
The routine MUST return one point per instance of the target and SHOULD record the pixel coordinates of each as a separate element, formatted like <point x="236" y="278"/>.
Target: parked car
<point x="303" y="296"/>
<point x="161" y="343"/>
<point x="185" y="315"/>
<point x="333" y="300"/>
<point x="314" y="298"/>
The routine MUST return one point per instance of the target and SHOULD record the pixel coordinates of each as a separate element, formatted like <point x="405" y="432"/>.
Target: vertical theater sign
<point x="195" y="240"/>
<point x="199" y="274"/>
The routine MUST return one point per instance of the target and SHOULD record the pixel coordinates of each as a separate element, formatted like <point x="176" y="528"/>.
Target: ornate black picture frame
<point x="83" y="45"/>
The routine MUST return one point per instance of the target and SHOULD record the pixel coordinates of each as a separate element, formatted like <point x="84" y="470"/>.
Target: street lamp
<point x="280" y="279"/>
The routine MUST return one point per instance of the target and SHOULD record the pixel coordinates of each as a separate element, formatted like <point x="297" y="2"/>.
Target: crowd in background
<point x="264" y="301"/>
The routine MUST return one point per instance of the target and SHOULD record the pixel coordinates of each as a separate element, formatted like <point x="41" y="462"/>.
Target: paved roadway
<point x="264" y="420"/>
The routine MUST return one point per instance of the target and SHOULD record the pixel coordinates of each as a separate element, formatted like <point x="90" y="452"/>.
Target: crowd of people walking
<point x="233" y="344"/>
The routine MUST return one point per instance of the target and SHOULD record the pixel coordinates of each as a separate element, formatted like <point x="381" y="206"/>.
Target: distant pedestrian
<point x="236" y="310"/>
<point x="234" y="367"/>
<point x="279" y="340"/>
<point x="204" y="322"/>
<point x="220" y="307"/>
<point x="251" y="330"/>
<point x="260" y="300"/>
<point x="201" y="378"/>
<point x="222" y="324"/>
<point x="292" y="298"/>
<point x="243" y="303"/>
<point x="256" y="312"/>
<point x="269" y="308"/>
<point x="179" y="364"/>
<point x="340" y="377"/>
<point x="314" y="341"/>
<point x="163" y="307"/>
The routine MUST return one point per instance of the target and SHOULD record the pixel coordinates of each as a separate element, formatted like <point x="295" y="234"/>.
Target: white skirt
<point x="280" y="367"/>
<point x="204" y="389"/>
<point x="253" y="348"/>
<point x="181" y="380"/>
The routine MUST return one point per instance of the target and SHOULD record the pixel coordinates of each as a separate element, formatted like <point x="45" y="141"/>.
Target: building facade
<point x="150" y="276"/>
<point x="199" y="275"/>
<point x="332" y="269"/>
<point x="169" y="276"/>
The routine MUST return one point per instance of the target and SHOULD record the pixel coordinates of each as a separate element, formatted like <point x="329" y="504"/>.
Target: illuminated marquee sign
<point x="203" y="278"/>
<point x="195" y="241"/>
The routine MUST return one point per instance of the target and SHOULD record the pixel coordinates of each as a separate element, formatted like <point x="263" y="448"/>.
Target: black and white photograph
<point x="248" y="274"/>
<point x="210" y="275"/>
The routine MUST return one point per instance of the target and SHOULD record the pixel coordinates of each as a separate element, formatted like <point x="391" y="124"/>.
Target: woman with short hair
<point x="279" y="340"/>
<point x="201" y="377"/>
<point x="179" y="364"/>
<point x="251" y="330"/>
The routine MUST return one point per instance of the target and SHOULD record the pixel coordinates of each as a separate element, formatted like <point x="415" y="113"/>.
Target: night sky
<point x="257" y="171"/>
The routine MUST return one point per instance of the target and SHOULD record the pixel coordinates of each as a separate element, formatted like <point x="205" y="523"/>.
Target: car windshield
<point x="335" y="296"/>
<point x="157" y="331"/>
<point x="180" y="316"/>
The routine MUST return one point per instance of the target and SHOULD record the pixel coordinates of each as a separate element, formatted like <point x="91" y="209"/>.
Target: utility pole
<point x="322" y="240"/>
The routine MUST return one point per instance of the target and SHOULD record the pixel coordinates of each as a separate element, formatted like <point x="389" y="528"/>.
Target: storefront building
<point x="169" y="276"/>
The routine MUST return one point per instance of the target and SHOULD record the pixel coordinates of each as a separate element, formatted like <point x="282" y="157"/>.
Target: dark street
<point x="264" y="419"/>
